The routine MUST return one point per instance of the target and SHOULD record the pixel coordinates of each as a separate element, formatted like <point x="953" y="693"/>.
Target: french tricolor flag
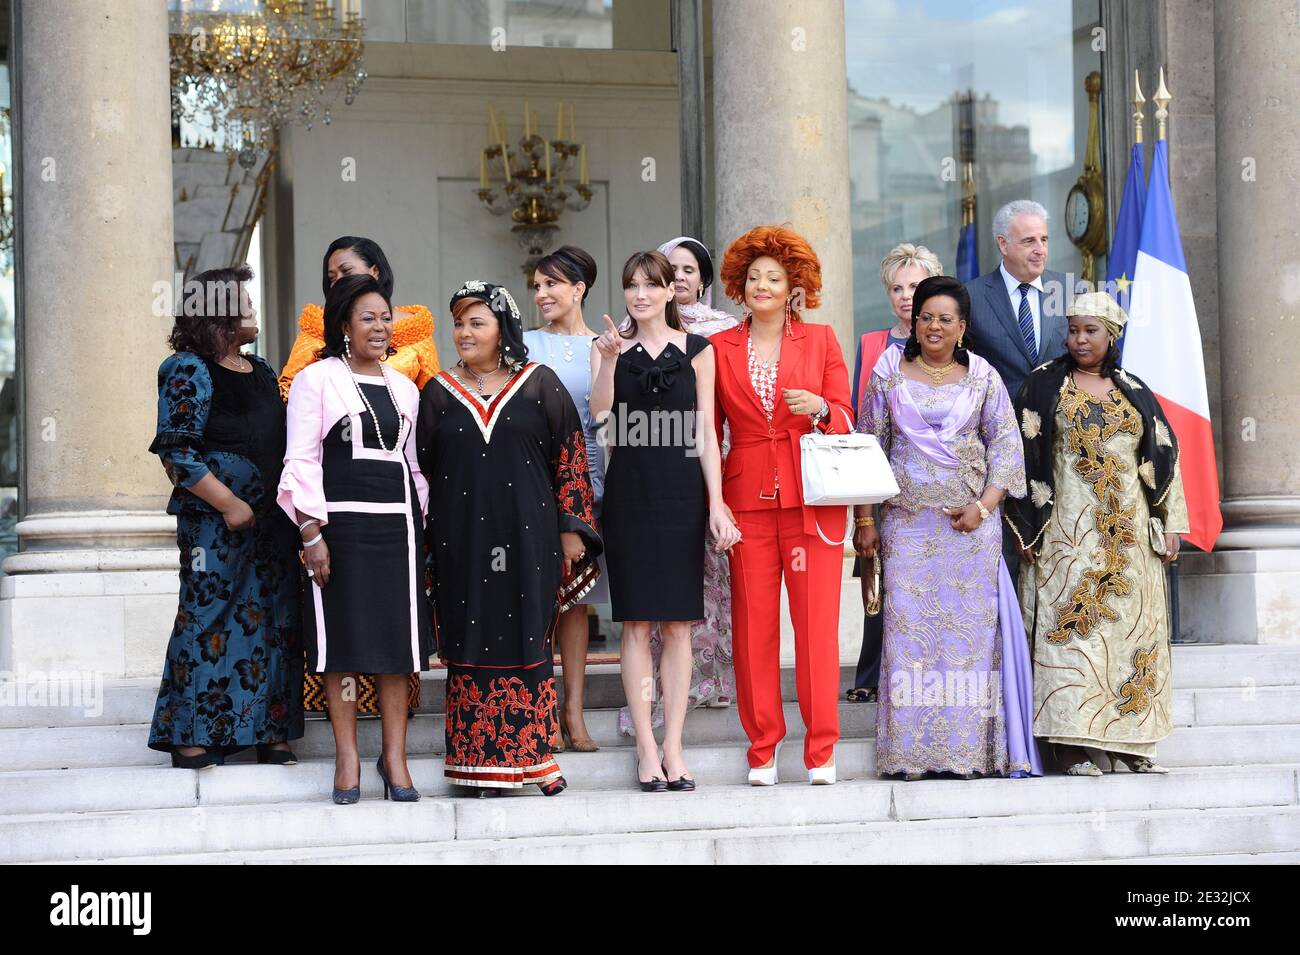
<point x="1162" y="346"/>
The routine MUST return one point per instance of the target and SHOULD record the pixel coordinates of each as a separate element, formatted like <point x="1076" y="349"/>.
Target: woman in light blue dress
<point x="562" y="281"/>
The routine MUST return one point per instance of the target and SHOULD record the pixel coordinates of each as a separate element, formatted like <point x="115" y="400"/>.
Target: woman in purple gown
<point x="955" y="679"/>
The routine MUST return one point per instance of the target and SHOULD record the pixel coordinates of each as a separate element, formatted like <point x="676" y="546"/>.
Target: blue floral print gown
<point x="233" y="673"/>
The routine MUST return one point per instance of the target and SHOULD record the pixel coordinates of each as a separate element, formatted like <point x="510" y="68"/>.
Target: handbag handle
<point x="827" y="540"/>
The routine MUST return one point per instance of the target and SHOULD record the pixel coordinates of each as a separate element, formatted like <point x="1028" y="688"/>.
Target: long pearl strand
<point x="401" y="421"/>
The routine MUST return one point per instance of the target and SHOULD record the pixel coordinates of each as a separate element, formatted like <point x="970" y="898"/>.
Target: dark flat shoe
<point x="656" y="785"/>
<point x="862" y="695"/>
<point x="203" y="760"/>
<point x="276" y="757"/>
<point x="684" y="784"/>
<point x="554" y="787"/>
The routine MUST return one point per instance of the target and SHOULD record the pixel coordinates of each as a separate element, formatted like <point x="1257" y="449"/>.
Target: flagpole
<point x="1138" y="102"/>
<point x="1121" y="259"/>
<point x="1162" y="98"/>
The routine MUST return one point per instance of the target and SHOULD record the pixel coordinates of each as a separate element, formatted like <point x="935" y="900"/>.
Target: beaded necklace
<point x="401" y="421"/>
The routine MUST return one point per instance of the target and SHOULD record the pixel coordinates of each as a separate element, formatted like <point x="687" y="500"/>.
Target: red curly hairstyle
<point x="789" y="248"/>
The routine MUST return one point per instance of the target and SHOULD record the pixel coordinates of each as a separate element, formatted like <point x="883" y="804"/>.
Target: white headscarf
<point x="707" y="298"/>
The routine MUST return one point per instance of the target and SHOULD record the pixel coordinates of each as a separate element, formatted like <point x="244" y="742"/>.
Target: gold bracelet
<point x="984" y="511"/>
<point x="864" y="522"/>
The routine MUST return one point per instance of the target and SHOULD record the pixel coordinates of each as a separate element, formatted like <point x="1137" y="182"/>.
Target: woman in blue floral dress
<point x="233" y="673"/>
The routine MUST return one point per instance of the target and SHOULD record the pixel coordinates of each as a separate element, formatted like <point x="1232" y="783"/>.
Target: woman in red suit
<point x="777" y="379"/>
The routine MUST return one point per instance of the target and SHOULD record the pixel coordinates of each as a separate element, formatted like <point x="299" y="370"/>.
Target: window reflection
<point x="911" y="63"/>
<point x="9" y="423"/>
<point x="570" y="23"/>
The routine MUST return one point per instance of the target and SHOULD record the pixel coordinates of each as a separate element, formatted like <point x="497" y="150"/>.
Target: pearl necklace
<point x="401" y="421"/>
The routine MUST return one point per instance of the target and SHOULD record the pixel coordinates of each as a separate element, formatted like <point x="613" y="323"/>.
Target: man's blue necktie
<point x="1026" y="320"/>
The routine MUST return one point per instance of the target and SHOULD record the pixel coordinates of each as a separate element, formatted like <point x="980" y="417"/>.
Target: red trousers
<point x="774" y="544"/>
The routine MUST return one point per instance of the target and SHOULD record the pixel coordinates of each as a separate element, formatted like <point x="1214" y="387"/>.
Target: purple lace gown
<point x="955" y="677"/>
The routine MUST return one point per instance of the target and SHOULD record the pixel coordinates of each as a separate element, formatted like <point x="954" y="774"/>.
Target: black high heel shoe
<point x="399" y="793"/>
<point x="683" y="785"/>
<point x="203" y="760"/>
<point x="275" y="757"/>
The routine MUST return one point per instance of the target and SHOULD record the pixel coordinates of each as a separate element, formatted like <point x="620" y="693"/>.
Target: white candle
<point x="505" y="156"/>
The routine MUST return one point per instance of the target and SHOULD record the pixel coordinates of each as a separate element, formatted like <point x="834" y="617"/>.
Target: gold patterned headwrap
<point x="1101" y="306"/>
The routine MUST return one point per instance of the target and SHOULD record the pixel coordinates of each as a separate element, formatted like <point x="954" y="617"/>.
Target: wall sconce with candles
<point x="533" y="179"/>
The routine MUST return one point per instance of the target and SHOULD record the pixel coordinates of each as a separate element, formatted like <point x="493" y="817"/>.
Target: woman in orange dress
<point x="416" y="356"/>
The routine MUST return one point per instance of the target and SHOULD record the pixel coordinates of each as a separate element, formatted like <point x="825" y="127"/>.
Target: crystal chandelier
<point x="532" y="185"/>
<point x="245" y="68"/>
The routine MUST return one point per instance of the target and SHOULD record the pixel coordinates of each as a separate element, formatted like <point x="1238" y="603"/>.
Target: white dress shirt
<point x="1035" y="307"/>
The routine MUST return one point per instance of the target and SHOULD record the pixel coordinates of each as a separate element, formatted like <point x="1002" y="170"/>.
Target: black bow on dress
<point x="658" y="377"/>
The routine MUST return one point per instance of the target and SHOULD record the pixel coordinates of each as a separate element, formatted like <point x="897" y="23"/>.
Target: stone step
<point x="451" y="835"/>
<point x="81" y="703"/>
<point x="1227" y="858"/>
<point x="125" y="744"/>
<point x="122" y="788"/>
<point x="1200" y="666"/>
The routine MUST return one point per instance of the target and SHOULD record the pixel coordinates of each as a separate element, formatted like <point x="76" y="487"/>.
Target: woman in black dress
<point x="354" y="488"/>
<point x="233" y="674"/>
<point x="652" y="387"/>
<point x="510" y="511"/>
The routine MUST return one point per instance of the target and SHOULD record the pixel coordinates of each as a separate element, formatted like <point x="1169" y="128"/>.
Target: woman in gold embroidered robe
<point x="1103" y="514"/>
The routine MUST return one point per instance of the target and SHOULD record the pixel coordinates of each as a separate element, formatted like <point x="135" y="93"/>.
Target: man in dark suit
<point x="1017" y="319"/>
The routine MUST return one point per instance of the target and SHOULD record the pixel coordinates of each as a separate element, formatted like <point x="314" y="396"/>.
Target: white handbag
<point x="845" y="469"/>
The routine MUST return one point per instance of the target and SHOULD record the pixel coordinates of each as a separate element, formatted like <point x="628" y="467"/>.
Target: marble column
<point x="1249" y="589"/>
<point x="780" y="117"/>
<point x="93" y="587"/>
<point x="781" y="157"/>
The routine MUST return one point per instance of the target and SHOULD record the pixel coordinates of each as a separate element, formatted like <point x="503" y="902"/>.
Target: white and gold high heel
<point x="765" y="775"/>
<point x="823" y="775"/>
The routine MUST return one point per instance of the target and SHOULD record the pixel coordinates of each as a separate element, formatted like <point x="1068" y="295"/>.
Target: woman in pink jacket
<point x="352" y="485"/>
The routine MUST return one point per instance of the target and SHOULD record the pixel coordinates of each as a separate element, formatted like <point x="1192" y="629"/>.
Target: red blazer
<point x="810" y="360"/>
